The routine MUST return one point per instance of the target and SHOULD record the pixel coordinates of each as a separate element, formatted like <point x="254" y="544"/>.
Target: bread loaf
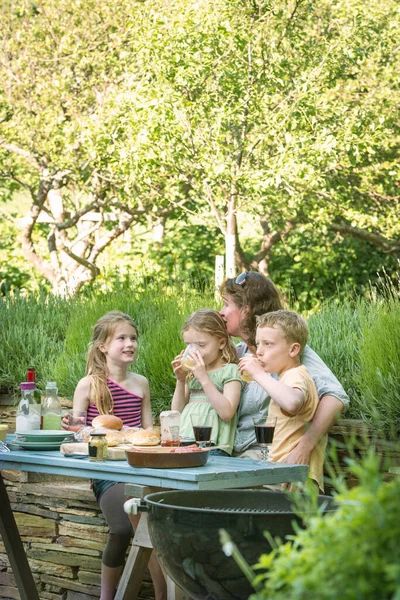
<point x="114" y="438"/>
<point x="143" y="437"/>
<point x="107" y="422"/>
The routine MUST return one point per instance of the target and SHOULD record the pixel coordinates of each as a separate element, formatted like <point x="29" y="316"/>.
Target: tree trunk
<point x="230" y="241"/>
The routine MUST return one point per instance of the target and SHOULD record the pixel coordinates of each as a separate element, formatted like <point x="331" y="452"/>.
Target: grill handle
<point x="134" y="505"/>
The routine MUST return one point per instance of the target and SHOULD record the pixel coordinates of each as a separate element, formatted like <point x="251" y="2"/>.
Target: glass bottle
<point x="51" y="408"/>
<point x="28" y="411"/>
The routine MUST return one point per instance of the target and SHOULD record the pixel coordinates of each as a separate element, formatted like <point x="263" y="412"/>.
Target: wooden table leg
<point x="15" y="549"/>
<point x="136" y="564"/>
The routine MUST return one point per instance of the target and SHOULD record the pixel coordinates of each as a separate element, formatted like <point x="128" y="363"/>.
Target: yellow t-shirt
<point x="289" y="429"/>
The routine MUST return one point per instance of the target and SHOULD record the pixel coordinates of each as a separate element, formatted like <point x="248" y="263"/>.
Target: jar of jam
<point x="98" y="446"/>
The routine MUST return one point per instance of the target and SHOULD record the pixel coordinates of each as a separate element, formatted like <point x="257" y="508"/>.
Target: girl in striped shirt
<point x="109" y="388"/>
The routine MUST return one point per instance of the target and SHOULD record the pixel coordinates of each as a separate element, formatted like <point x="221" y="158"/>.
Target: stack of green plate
<point x="38" y="439"/>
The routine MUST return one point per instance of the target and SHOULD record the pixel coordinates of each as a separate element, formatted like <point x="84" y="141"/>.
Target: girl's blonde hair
<point x="210" y="321"/>
<point x="96" y="364"/>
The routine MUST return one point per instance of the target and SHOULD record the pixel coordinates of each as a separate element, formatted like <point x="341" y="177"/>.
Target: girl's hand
<point x="180" y="374"/>
<point x="251" y="365"/>
<point x="65" y="421"/>
<point x="199" y="368"/>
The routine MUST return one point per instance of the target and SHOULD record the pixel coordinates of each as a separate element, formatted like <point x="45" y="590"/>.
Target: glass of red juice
<point x="202" y="428"/>
<point x="264" y="428"/>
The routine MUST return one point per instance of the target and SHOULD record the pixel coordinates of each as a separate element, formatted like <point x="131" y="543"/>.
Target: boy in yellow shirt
<point x="281" y="336"/>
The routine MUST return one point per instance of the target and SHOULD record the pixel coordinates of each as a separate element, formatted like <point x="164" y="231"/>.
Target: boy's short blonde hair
<point x="293" y="326"/>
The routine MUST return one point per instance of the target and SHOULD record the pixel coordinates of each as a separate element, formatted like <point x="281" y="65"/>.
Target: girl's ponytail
<point x="96" y="368"/>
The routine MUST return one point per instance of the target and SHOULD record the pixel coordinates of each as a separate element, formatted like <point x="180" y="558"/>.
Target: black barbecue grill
<point x="184" y="528"/>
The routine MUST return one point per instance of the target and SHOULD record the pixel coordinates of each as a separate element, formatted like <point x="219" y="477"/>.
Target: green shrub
<point x="351" y="554"/>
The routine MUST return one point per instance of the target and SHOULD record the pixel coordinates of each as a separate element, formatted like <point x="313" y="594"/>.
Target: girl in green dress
<point x="208" y="383"/>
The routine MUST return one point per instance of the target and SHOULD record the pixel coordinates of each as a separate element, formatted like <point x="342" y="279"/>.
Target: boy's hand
<point x="251" y="365"/>
<point x="180" y="374"/>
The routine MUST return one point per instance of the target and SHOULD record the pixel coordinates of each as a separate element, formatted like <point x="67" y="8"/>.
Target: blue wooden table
<point x="218" y="473"/>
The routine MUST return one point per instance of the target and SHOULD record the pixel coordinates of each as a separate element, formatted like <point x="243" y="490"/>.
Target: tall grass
<point x="379" y="374"/>
<point x="159" y="313"/>
<point x="358" y="339"/>
<point x="335" y="334"/>
<point x="32" y="333"/>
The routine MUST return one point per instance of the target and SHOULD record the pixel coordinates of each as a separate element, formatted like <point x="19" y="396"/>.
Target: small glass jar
<point x="98" y="447"/>
<point x="170" y="420"/>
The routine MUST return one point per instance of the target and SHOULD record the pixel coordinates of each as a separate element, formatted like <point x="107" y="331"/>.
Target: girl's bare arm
<point x="181" y="396"/>
<point x="147" y="418"/>
<point x="226" y="402"/>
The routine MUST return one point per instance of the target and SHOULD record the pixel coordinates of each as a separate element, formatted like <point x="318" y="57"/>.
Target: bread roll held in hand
<point x="143" y="437"/>
<point x="107" y="422"/>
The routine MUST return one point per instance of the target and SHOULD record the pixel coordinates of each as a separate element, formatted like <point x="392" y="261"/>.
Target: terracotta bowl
<point x="166" y="458"/>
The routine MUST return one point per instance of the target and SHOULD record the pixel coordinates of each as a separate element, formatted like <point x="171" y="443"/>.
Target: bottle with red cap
<point x="31" y="378"/>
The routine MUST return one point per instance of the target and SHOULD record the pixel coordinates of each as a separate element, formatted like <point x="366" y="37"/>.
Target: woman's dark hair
<point x="258" y="293"/>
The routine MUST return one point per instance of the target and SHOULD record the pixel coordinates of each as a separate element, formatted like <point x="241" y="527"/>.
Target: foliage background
<point x="278" y="121"/>
<point x="358" y="339"/>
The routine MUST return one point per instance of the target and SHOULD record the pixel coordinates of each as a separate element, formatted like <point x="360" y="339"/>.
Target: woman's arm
<point x="329" y="409"/>
<point x="325" y="381"/>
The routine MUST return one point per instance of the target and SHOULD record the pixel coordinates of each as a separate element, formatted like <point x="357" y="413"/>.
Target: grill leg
<point x="15" y="549"/>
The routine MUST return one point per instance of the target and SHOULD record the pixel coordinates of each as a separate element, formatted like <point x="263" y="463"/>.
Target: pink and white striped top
<point x="127" y="406"/>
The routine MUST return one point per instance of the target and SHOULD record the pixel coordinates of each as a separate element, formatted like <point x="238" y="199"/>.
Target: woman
<point x="250" y="295"/>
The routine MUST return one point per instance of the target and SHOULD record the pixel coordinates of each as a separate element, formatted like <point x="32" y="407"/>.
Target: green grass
<point x="358" y="339"/>
<point x="335" y="335"/>
<point x="33" y="333"/>
<point x="159" y="314"/>
<point x="379" y="374"/>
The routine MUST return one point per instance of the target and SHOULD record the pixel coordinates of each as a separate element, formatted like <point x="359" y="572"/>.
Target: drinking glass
<point x="245" y="376"/>
<point x="76" y="420"/>
<point x="186" y="360"/>
<point x="264" y="428"/>
<point x="202" y="428"/>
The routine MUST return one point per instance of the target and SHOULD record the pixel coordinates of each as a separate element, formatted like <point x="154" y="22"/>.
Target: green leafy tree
<point x="144" y="113"/>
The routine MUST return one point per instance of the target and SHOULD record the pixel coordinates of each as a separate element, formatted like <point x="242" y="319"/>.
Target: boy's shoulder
<point x="298" y="375"/>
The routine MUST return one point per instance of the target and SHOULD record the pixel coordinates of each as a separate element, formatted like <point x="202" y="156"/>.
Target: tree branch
<point x="28" y="156"/>
<point x="367" y="236"/>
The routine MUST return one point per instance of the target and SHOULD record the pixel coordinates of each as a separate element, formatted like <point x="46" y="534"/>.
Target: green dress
<point x="223" y="432"/>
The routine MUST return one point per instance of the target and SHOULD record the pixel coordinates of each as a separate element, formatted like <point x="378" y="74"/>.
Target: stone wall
<point x="63" y="532"/>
